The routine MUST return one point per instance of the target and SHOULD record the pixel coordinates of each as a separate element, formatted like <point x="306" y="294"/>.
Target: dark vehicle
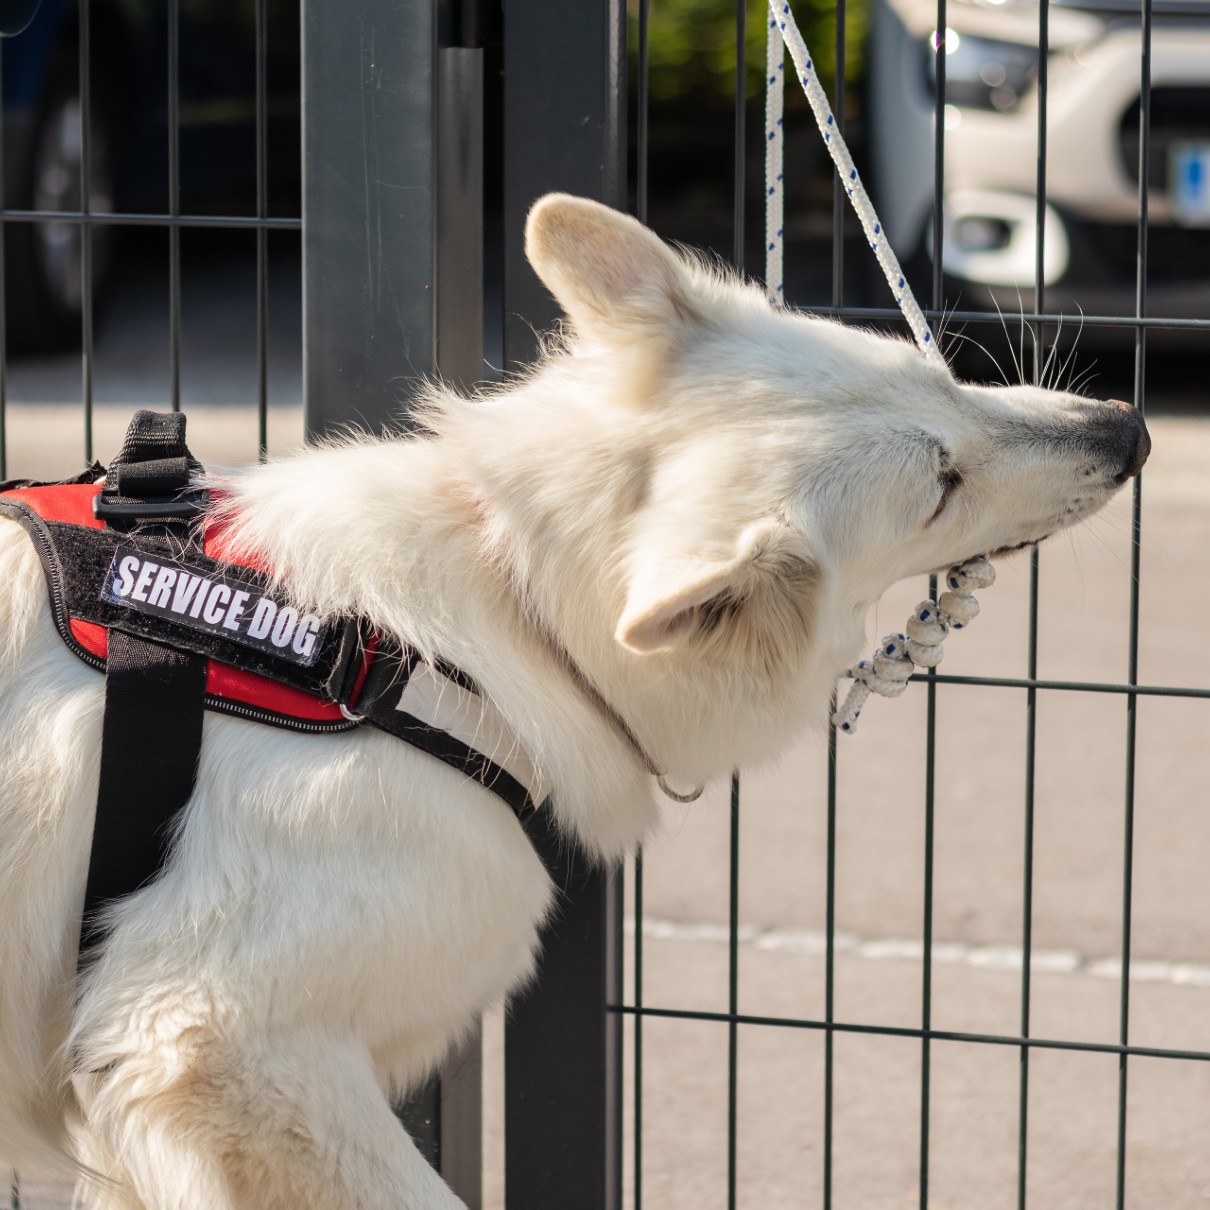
<point x="129" y="128"/>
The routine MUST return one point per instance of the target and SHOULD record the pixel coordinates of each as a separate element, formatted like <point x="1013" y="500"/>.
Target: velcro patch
<point x="214" y="603"/>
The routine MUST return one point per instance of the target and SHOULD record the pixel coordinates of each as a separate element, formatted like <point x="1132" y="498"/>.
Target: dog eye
<point x="950" y="480"/>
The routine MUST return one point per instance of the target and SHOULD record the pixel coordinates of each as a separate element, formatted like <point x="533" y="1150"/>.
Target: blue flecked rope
<point x="783" y="28"/>
<point x="775" y="144"/>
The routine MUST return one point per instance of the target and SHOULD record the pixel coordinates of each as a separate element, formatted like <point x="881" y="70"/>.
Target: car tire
<point x="43" y="260"/>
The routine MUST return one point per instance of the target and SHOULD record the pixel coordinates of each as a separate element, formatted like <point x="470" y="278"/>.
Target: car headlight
<point x="982" y="73"/>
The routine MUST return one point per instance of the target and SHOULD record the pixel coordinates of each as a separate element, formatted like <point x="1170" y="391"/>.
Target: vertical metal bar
<point x="369" y="184"/>
<point x="1031" y="694"/>
<point x="739" y="220"/>
<point x="829" y="962"/>
<point x="14" y="1179"/>
<point x="262" y="261"/>
<point x="174" y="201"/>
<point x="562" y="1087"/>
<point x="459" y="1096"/>
<point x="1140" y="354"/>
<point x="733" y="1000"/>
<point x="1128" y="838"/>
<point x="926" y="980"/>
<point x="643" y="100"/>
<point x="3" y="294"/>
<point x="939" y="159"/>
<point x="926" y="994"/>
<point x="86" y="356"/>
<point x="614" y="973"/>
<point x="839" y="200"/>
<point x="576" y="143"/>
<point x="741" y="96"/>
<point x="1027" y="895"/>
<point x="373" y="187"/>
<point x="638" y="1030"/>
<point x="458" y="251"/>
<point x="444" y="1119"/>
<point x="1040" y="171"/>
<point x="642" y="155"/>
<point x="565" y="128"/>
<point x="455" y="1099"/>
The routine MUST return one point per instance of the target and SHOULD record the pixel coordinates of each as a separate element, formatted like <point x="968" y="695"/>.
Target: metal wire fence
<point x="54" y="215"/>
<point x="638" y="1007"/>
<point x="527" y="109"/>
<point x="77" y="222"/>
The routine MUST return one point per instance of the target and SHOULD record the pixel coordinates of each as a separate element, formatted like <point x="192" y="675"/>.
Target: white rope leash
<point x="775" y="143"/>
<point x="887" y="674"/>
<point x="783" y="19"/>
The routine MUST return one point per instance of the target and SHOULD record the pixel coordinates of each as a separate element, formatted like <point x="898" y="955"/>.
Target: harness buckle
<point x="175" y="508"/>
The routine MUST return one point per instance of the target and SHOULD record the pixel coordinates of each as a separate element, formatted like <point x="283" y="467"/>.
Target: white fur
<point x="697" y="496"/>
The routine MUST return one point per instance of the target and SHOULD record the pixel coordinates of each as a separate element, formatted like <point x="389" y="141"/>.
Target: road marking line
<point x="945" y="953"/>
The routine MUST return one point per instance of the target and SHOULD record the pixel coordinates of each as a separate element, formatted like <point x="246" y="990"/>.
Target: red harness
<point x="73" y="504"/>
<point x="196" y="627"/>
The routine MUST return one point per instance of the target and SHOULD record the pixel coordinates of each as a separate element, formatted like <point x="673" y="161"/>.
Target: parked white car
<point x="991" y="150"/>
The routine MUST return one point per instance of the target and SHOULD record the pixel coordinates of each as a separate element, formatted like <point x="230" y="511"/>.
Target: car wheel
<point x="44" y="270"/>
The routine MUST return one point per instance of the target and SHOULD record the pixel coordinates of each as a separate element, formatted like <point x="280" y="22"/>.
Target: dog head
<point x="773" y="473"/>
<point x="793" y="439"/>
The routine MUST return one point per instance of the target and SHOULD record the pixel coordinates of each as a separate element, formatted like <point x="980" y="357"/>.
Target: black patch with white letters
<point x="78" y="562"/>
<point x="213" y="602"/>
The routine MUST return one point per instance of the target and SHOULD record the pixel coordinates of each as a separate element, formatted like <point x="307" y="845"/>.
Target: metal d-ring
<point x="692" y="796"/>
<point x="353" y="718"/>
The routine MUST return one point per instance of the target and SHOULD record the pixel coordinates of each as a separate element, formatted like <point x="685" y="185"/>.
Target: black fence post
<point x="368" y="217"/>
<point x="564" y="129"/>
<point x="392" y="293"/>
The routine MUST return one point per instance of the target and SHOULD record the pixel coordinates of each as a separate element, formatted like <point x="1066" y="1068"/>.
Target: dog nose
<point x="1137" y="438"/>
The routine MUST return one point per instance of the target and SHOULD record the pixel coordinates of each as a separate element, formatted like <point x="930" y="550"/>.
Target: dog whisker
<point x="1047" y="381"/>
<point x="984" y="350"/>
<point x="1009" y="340"/>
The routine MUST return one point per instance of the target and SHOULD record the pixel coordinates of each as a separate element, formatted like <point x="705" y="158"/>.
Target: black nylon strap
<point x="154" y="468"/>
<point x="379" y="704"/>
<point x="152" y="436"/>
<point x="157" y="477"/>
<point x="151" y="738"/>
<point x="154" y="698"/>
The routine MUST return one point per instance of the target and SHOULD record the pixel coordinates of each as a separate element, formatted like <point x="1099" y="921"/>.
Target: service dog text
<point x="213" y="602"/>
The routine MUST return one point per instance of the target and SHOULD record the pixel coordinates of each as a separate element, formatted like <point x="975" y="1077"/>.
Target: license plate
<point x="1189" y="179"/>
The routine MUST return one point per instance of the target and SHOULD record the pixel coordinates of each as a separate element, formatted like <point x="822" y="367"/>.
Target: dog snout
<point x="1132" y="442"/>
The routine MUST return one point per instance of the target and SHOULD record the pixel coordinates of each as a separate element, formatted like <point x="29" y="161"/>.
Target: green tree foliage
<point x="692" y="46"/>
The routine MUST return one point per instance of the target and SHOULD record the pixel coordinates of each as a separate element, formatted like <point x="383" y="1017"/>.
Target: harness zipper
<point x="222" y="705"/>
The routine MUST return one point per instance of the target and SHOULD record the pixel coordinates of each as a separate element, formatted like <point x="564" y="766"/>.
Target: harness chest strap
<point x="154" y="694"/>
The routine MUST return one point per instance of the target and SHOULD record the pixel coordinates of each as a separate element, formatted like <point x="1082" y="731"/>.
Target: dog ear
<point x="607" y="271"/>
<point x="761" y="595"/>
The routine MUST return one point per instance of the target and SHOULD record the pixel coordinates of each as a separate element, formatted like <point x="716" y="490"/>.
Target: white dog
<point x="655" y="552"/>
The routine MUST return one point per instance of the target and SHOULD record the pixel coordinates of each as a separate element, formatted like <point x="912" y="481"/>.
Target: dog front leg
<point x="280" y="1122"/>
